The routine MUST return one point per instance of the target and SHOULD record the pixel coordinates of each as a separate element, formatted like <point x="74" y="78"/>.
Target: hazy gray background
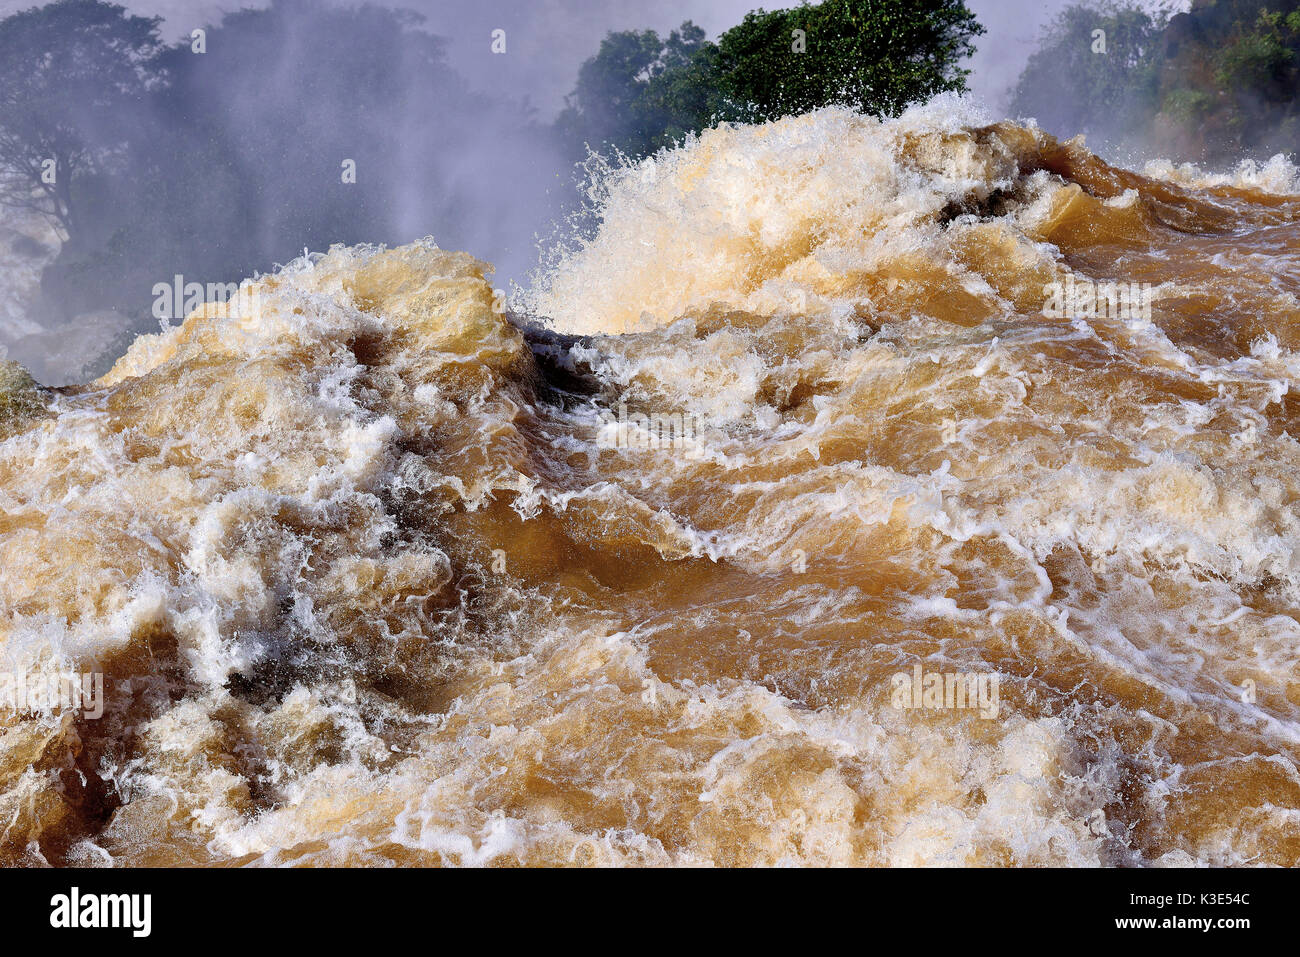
<point x="547" y="40"/>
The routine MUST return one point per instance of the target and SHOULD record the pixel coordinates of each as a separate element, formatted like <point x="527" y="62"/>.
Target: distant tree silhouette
<point x="73" y="75"/>
<point x="1216" y="83"/>
<point x="640" y="91"/>
<point x="217" y="164"/>
<point x="1094" y="73"/>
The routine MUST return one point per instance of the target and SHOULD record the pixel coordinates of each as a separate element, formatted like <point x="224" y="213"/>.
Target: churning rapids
<point x="368" y="582"/>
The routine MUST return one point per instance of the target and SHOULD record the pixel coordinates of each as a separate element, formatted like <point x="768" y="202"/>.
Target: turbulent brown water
<point x="368" y="582"/>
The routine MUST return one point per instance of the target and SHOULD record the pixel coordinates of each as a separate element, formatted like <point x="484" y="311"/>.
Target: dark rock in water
<point x="21" y="399"/>
<point x="560" y="369"/>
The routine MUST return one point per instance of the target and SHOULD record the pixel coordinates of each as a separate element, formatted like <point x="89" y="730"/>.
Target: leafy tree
<point x="640" y="92"/>
<point x="1265" y="59"/>
<point x="73" y="75"/>
<point x="877" y="56"/>
<point x="1256" y="76"/>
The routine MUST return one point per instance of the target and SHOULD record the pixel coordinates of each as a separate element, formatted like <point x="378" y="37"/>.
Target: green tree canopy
<point x="641" y="92"/>
<point x="876" y="56"/>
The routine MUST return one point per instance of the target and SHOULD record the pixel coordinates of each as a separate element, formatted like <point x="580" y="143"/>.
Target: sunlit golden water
<point x="368" y="585"/>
